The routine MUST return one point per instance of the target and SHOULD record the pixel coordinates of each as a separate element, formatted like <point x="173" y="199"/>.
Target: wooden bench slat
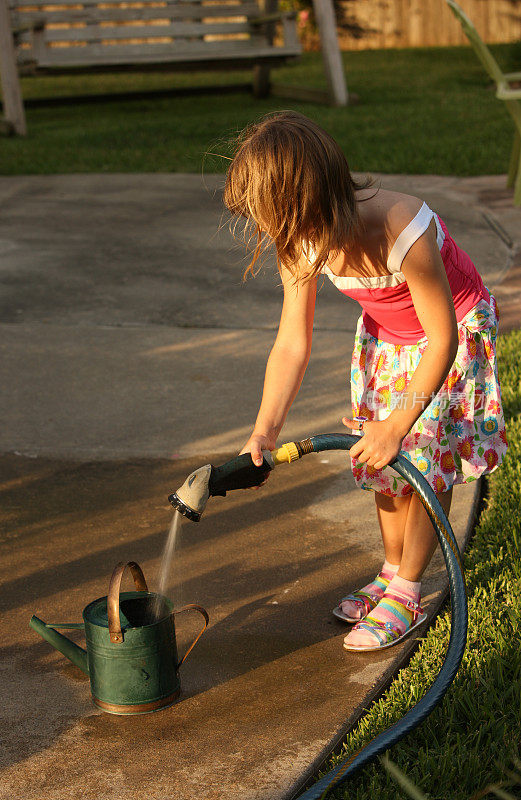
<point x="19" y="4"/>
<point x="181" y="30"/>
<point x="180" y="35"/>
<point x="135" y="54"/>
<point x="95" y="14"/>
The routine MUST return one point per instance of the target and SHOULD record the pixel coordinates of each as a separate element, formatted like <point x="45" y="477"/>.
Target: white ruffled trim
<point x="372" y="281"/>
<point x="416" y="227"/>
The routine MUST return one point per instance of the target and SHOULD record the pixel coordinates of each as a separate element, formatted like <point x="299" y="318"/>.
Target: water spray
<point x="241" y="473"/>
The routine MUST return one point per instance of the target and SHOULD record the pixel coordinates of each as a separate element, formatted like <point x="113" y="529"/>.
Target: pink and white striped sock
<point x="388" y="610"/>
<point x="376" y="588"/>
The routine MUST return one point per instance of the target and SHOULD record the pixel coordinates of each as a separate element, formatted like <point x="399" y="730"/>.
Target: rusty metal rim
<point x="136" y="708"/>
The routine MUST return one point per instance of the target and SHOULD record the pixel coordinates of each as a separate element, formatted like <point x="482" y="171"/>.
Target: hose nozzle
<point x="209" y="481"/>
<point x="191" y="498"/>
<point x="183" y="509"/>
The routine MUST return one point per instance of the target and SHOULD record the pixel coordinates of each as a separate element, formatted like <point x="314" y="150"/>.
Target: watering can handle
<point x="115" y="632"/>
<point x="204" y="612"/>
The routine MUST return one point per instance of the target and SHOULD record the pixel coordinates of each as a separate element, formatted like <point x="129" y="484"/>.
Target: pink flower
<point x="491" y="457"/>
<point x="447" y="462"/>
<point x="459" y="410"/>
<point x="400" y="382"/>
<point x="365" y="411"/>
<point x="384" y="393"/>
<point x="439" y="484"/>
<point x="466" y="448"/>
<point x="451" y="379"/>
<point x="382" y="362"/>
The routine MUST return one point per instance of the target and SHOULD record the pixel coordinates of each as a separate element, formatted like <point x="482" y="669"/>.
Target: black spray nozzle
<point x="239" y="473"/>
<point x="209" y="481"/>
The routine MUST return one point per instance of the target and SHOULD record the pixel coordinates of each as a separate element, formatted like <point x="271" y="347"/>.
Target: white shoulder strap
<point x="408" y="236"/>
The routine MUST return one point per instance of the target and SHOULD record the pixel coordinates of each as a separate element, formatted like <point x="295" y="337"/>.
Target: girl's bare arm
<point x="432" y="297"/>
<point x="286" y="364"/>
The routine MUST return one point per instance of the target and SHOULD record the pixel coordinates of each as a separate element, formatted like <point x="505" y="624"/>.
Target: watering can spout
<point x="69" y="649"/>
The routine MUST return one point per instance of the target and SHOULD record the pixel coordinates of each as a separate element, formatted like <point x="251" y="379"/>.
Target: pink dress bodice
<point x="388" y="309"/>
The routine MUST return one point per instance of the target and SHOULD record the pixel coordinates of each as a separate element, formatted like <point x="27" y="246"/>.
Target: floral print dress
<point x="461" y="432"/>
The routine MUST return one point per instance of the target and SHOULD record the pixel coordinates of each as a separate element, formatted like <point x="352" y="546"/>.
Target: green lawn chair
<point x="503" y="92"/>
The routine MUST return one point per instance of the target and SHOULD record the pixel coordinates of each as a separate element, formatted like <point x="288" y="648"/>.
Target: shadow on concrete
<point x="267" y="573"/>
<point x="93" y="497"/>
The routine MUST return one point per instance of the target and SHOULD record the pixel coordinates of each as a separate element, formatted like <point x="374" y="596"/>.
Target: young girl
<point x="423" y="374"/>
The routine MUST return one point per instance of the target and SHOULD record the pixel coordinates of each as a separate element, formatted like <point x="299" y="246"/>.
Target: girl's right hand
<point x="255" y="445"/>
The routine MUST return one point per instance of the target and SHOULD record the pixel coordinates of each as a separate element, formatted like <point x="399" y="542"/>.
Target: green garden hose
<point x="240" y="472"/>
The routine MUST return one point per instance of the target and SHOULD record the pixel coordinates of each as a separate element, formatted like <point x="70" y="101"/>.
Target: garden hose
<point x="240" y="472"/>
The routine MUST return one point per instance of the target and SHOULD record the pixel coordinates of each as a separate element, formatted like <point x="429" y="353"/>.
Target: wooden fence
<point x="424" y="23"/>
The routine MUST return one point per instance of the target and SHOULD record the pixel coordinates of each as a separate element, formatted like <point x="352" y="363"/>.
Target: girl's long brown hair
<point x="291" y="181"/>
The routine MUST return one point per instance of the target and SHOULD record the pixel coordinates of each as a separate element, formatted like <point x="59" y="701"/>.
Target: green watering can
<point x="131" y="656"/>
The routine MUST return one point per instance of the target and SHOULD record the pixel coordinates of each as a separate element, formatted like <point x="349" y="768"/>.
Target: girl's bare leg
<point x="408" y="536"/>
<point x="392" y="516"/>
<point x="420" y="540"/>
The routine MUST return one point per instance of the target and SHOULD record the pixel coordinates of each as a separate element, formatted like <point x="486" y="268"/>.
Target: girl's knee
<point x="388" y="503"/>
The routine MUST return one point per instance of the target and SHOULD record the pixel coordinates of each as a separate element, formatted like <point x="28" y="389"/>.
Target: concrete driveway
<point x="131" y="353"/>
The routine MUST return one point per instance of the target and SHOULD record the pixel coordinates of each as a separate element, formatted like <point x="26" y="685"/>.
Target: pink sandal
<point x="386" y="633"/>
<point x="363" y="600"/>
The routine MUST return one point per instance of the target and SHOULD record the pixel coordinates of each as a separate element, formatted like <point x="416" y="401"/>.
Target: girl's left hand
<point x="379" y="445"/>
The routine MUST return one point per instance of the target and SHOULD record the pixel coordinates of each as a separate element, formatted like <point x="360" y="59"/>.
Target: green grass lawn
<point x="425" y="110"/>
<point x="472" y="740"/>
